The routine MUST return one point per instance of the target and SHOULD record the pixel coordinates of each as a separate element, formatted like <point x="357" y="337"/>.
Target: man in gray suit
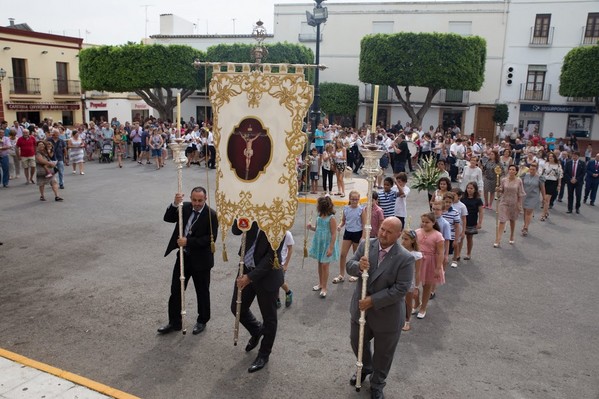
<point x="391" y="269"/>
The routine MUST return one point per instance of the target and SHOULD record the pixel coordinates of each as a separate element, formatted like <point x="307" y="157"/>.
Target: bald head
<point x="390" y="231"/>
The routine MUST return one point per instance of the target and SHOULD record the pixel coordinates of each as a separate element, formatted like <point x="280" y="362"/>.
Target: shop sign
<point x="570" y="109"/>
<point x="42" y="106"/>
<point x="140" y="106"/>
<point x="93" y="104"/>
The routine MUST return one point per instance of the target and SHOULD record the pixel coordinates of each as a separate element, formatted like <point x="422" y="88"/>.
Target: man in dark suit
<point x="592" y="181"/>
<point x="559" y="194"/>
<point x="200" y="229"/>
<point x="391" y="269"/>
<point x="261" y="279"/>
<point x="574" y="177"/>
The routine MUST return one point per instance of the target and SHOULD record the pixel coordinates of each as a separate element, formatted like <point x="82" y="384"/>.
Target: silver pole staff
<point x="238" y="308"/>
<point x="178" y="147"/>
<point x="372" y="154"/>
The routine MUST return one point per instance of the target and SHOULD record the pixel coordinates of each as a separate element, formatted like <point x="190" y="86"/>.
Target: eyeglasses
<point x="412" y="233"/>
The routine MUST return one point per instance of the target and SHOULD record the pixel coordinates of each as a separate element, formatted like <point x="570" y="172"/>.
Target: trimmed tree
<point x="431" y="60"/>
<point x="339" y="99"/>
<point x="580" y="74"/>
<point x="284" y="53"/>
<point x="150" y="71"/>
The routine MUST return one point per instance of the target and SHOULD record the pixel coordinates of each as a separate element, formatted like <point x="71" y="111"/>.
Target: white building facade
<point x="529" y="36"/>
<point x="348" y="23"/>
<point x="539" y="35"/>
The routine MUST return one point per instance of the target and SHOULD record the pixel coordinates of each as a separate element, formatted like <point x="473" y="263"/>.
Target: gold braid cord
<point x="279" y="101"/>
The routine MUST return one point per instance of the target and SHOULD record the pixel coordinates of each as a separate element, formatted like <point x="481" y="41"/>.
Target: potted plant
<point x="427" y="175"/>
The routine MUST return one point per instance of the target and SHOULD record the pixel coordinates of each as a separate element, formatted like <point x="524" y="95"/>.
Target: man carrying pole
<point x="200" y="228"/>
<point x="391" y="269"/>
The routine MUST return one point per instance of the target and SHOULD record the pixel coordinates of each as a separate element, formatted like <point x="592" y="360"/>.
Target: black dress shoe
<point x="253" y="342"/>
<point x="198" y="328"/>
<point x="353" y="379"/>
<point x="568" y="211"/>
<point x="258" y="364"/>
<point x="377" y="394"/>
<point x="577" y="210"/>
<point x="168" y="329"/>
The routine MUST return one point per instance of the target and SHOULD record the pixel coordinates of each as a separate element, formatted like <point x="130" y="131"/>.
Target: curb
<point x="66" y="375"/>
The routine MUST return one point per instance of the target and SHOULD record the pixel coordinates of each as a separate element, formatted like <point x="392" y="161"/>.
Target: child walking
<point x="409" y="241"/>
<point x="474" y="220"/>
<point x="354" y="220"/>
<point x="286" y="252"/>
<point x="431" y="244"/>
<point x="314" y="170"/>
<point x="325" y="248"/>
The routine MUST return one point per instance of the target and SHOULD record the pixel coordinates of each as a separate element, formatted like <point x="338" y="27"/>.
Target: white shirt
<point x="400" y="203"/>
<point x="286" y="243"/>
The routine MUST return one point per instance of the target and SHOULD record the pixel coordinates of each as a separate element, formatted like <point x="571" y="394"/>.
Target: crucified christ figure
<point x="248" y="152"/>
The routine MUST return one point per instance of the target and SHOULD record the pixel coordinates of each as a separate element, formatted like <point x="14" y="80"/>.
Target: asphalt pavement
<point x="84" y="285"/>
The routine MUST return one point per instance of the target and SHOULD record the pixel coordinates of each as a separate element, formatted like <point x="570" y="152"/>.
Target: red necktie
<point x="574" y="168"/>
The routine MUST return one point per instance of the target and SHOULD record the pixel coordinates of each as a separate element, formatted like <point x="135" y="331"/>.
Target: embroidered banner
<point x="258" y="113"/>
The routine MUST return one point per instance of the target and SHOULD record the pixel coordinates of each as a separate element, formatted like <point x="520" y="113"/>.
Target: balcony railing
<point x="386" y="94"/>
<point x="535" y="92"/>
<point x="66" y="87"/>
<point x="24" y="85"/>
<point x="592" y="38"/>
<point x="454" y="96"/>
<point x="308" y="37"/>
<point x="580" y="99"/>
<point x="541" y="40"/>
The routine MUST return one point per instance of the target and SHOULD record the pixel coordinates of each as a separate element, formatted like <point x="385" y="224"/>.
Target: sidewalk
<point x="22" y="378"/>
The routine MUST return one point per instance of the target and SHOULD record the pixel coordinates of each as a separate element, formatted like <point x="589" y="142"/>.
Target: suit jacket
<point x="264" y="275"/>
<point x="580" y="171"/>
<point x="198" y="238"/>
<point x="591" y="169"/>
<point x="387" y="285"/>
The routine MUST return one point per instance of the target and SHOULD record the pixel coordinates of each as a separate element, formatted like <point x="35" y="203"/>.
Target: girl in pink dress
<point x="431" y="244"/>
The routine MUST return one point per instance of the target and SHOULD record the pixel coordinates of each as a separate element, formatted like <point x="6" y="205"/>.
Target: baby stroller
<point x="106" y="152"/>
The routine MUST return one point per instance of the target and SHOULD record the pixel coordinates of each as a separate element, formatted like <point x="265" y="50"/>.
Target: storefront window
<point x="579" y="125"/>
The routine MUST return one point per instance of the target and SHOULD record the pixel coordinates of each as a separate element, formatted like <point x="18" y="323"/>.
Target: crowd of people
<point x="524" y="174"/>
<point x="142" y="142"/>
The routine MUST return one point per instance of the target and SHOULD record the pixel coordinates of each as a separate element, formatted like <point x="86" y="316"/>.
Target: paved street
<point x="84" y="285"/>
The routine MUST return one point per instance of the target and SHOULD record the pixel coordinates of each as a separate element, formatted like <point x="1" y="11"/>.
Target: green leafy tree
<point x="339" y="99"/>
<point x="431" y="60"/>
<point x="580" y="74"/>
<point x="284" y="53"/>
<point x="501" y="115"/>
<point x="150" y="71"/>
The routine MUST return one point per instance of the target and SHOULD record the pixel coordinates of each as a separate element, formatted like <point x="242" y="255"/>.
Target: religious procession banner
<point x="258" y="110"/>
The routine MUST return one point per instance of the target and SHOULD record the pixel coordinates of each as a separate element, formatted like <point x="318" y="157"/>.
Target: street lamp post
<point x="319" y="16"/>
<point x="2" y="76"/>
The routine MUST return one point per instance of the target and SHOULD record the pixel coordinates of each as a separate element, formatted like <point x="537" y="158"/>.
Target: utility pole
<point x="233" y="25"/>
<point x="146" y="22"/>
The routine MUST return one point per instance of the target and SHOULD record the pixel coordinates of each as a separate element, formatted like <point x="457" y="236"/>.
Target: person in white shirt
<point x="401" y="210"/>
<point x="211" y="150"/>
<point x="286" y="252"/>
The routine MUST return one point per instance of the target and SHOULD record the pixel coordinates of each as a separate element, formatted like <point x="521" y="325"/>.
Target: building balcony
<point x="67" y="88"/>
<point x="308" y="37"/>
<point x="580" y="99"/>
<point x="26" y="86"/>
<point x="539" y="38"/>
<point x="386" y="94"/>
<point x="535" y="92"/>
<point x="453" y="96"/>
